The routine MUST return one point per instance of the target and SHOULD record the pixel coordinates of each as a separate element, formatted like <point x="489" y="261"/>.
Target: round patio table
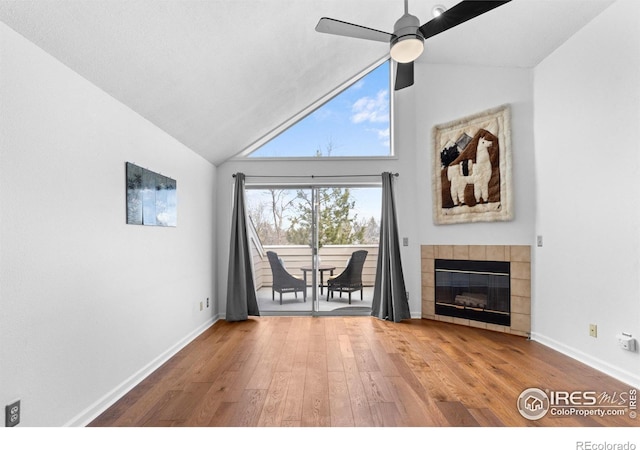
<point x="322" y="268"/>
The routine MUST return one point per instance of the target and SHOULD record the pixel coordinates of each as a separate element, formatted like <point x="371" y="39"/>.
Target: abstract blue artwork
<point x="151" y="197"/>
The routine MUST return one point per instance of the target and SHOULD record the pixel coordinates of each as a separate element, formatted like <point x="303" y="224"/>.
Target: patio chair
<point x="350" y="280"/>
<point x="283" y="281"/>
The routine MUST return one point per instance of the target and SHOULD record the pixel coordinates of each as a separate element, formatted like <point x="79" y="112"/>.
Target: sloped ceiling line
<point x="220" y="75"/>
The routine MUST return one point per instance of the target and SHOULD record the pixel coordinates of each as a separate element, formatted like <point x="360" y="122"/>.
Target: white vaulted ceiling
<point x="219" y="74"/>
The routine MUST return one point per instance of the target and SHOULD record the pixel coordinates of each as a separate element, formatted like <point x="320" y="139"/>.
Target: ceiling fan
<point x="407" y="39"/>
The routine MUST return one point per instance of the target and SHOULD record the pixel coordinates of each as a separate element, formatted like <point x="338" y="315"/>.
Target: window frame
<point x="244" y="155"/>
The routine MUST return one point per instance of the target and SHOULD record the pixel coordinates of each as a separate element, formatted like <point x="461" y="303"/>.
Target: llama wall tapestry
<point x="472" y="168"/>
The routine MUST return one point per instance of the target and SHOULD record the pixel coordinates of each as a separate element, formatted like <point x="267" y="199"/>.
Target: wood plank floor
<point x="355" y="372"/>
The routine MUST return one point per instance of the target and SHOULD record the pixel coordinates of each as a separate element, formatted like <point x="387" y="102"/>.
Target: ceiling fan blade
<point x="333" y="26"/>
<point x="404" y="75"/>
<point x="460" y="13"/>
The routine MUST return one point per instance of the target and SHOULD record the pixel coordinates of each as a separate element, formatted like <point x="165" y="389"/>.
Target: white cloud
<point x="373" y="110"/>
<point x="384" y="135"/>
<point x="358" y="84"/>
<point x="322" y="114"/>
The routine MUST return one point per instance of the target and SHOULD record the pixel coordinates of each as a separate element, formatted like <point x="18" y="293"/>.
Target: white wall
<point x="445" y="93"/>
<point x="89" y="304"/>
<point x="587" y="122"/>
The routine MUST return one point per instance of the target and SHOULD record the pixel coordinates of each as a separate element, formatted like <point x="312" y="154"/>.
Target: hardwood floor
<point x="355" y="372"/>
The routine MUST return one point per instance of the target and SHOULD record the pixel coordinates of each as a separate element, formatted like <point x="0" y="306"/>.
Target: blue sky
<point x="354" y="123"/>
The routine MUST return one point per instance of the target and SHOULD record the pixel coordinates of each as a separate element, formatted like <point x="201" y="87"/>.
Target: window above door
<point x="355" y="121"/>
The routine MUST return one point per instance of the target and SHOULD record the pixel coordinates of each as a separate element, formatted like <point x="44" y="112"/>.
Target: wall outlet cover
<point x="12" y="414"/>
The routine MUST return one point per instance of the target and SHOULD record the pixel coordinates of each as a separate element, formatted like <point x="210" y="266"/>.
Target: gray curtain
<point x="241" y="291"/>
<point x="389" y="292"/>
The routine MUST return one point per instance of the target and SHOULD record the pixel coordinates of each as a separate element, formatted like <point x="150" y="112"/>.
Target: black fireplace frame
<point x="467" y="312"/>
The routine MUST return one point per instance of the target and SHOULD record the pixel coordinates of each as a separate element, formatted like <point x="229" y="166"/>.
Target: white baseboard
<point x="101" y="405"/>
<point x="632" y="379"/>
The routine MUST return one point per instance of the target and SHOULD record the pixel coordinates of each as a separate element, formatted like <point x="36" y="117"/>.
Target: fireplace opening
<point x="475" y="290"/>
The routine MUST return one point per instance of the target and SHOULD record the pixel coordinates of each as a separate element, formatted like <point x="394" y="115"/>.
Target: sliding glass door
<point x="314" y="247"/>
<point x="282" y="248"/>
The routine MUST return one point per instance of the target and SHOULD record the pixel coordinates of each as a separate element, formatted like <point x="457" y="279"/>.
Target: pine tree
<point x="336" y="227"/>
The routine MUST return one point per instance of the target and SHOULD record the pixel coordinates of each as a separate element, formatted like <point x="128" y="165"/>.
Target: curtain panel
<point x="241" y="291"/>
<point x="389" y="292"/>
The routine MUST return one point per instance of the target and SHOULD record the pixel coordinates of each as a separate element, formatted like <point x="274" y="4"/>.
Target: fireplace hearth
<point x="468" y="307"/>
<point x="475" y="290"/>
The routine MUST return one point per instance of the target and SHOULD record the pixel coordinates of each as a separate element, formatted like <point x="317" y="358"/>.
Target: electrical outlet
<point x="539" y="241"/>
<point x="407" y="295"/>
<point x="12" y="414"/>
<point x="593" y="330"/>
<point x="626" y="342"/>
<point x="200" y="306"/>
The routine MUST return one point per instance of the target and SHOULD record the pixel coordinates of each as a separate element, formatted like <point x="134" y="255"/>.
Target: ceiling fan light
<point x="407" y="48"/>
<point x="438" y="10"/>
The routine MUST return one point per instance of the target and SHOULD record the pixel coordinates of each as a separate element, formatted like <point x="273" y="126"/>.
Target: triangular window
<point x="354" y="123"/>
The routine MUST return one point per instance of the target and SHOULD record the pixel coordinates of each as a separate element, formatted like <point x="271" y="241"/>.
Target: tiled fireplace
<point x="467" y="306"/>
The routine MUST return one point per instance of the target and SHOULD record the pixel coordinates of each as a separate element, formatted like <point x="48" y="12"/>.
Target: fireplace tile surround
<point x="520" y="258"/>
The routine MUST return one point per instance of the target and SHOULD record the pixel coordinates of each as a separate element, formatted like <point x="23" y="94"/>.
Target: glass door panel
<point x="348" y="235"/>
<point x="281" y="241"/>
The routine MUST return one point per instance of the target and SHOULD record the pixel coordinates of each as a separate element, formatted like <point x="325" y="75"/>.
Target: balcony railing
<point x="297" y="256"/>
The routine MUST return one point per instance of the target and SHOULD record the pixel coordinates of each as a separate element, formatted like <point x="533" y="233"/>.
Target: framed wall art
<point x="472" y="168"/>
<point x="151" y="197"/>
